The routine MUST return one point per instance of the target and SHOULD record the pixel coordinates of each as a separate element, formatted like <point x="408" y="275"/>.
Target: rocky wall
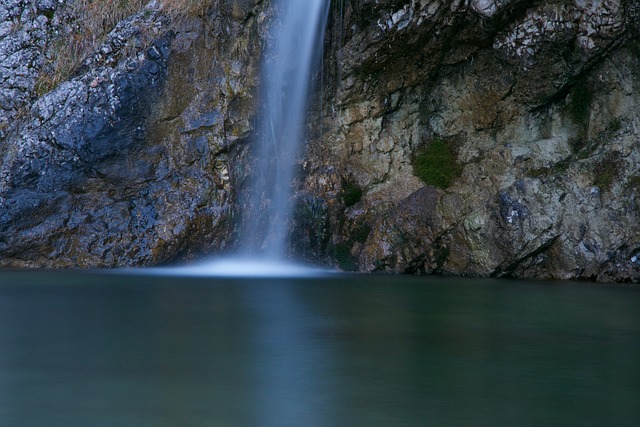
<point x="126" y="162"/>
<point x="477" y="137"/>
<point x="537" y="101"/>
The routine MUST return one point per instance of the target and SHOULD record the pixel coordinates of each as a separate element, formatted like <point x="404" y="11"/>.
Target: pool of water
<point x="105" y="349"/>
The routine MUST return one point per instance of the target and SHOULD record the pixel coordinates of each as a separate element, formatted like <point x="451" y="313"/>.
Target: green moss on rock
<point x="437" y="164"/>
<point x="345" y="260"/>
<point x="615" y="125"/>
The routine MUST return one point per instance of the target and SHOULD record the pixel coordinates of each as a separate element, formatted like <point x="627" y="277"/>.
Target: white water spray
<point x="292" y="55"/>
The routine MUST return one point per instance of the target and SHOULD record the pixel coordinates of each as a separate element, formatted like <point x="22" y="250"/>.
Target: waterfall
<point x="292" y="55"/>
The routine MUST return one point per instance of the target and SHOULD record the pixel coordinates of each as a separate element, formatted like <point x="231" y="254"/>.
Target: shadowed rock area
<point x="482" y="138"/>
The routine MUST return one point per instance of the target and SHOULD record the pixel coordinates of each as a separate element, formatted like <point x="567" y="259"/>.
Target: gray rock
<point x="538" y="100"/>
<point x="24" y="32"/>
<point x="129" y="162"/>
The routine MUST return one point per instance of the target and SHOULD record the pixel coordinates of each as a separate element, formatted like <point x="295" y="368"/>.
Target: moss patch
<point x="539" y="172"/>
<point x="634" y="47"/>
<point x="342" y="252"/>
<point x="578" y="109"/>
<point x="634" y="183"/>
<point x="558" y="168"/>
<point x="361" y="232"/>
<point x="437" y="164"/>
<point x="440" y="255"/>
<point x="607" y="170"/>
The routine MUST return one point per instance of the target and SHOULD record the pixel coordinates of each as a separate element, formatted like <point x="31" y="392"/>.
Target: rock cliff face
<point x="536" y="103"/>
<point x="454" y="137"/>
<point x="127" y="162"/>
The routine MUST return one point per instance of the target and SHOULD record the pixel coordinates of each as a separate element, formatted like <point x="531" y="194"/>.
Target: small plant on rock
<point x="437" y="164"/>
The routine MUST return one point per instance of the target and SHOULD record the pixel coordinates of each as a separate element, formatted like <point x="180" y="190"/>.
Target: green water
<point x="91" y="349"/>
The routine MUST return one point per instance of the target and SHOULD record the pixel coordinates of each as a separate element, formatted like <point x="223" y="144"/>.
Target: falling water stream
<point x="292" y="55"/>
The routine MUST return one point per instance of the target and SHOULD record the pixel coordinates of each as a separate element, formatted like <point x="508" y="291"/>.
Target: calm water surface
<point x="92" y="349"/>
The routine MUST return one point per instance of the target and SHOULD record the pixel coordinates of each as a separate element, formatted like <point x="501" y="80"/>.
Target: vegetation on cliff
<point x="89" y="22"/>
<point x="437" y="164"/>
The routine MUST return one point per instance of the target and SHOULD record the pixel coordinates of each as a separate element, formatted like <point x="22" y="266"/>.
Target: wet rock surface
<point x="127" y="162"/>
<point x="538" y="100"/>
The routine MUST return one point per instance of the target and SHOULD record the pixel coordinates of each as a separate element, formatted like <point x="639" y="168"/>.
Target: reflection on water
<point x="90" y="349"/>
